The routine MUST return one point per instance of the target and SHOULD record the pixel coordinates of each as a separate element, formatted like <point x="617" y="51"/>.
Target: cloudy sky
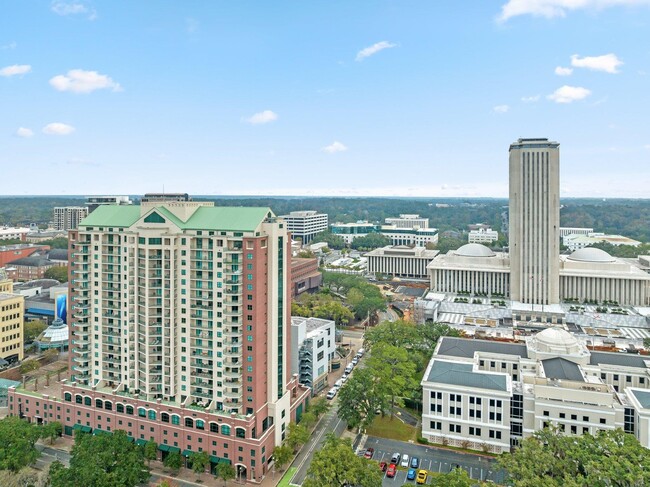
<point x="394" y="97"/>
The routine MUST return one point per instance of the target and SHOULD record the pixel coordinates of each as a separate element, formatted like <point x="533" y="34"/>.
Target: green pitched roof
<point x="231" y="218"/>
<point x="463" y="375"/>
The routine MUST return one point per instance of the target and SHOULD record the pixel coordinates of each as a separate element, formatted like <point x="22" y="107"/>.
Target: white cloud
<point x="530" y="99"/>
<point x="560" y="71"/>
<point x="24" y="132"/>
<point x="73" y="8"/>
<point x="334" y="147"/>
<point x="501" y="108"/>
<point x="374" y="49"/>
<point x="15" y="69"/>
<point x="263" y="117"/>
<point x="58" y="128"/>
<point x="568" y="94"/>
<point x="558" y="8"/>
<point x="607" y="62"/>
<point x="11" y="45"/>
<point x="80" y="81"/>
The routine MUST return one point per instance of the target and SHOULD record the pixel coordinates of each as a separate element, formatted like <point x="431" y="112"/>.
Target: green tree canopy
<point x="549" y="459"/>
<point x="150" y="451"/>
<point x="336" y="465"/>
<point x="173" y="461"/>
<point x="333" y="241"/>
<point x="56" y="243"/>
<point x="370" y="242"/>
<point x="456" y="478"/>
<point x="33" y="329"/>
<point x="226" y="472"/>
<point x="104" y="460"/>
<point x="199" y="460"/>
<point x="52" y="431"/>
<point x="282" y="454"/>
<point x="60" y="273"/>
<point x="393" y="367"/>
<point x="17" y="443"/>
<point x="297" y="436"/>
<point x="360" y="397"/>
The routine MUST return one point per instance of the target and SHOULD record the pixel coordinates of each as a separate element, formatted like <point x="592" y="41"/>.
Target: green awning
<point x="163" y="447"/>
<point x="97" y="431"/>
<point x="77" y="427"/>
<point x="225" y="460"/>
<point x="187" y="453"/>
<point x="141" y="442"/>
<point x="86" y="429"/>
<point x="174" y="449"/>
<point x="130" y="438"/>
<point x="214" y="459"/>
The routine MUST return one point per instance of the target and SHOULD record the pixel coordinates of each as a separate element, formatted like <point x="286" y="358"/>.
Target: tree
<point x="308" y="419"/>
<point x="33" y="329"/>
<point x="297" y="436"/>
<point x="393" y="368"/>
<point x="456" y="478"/>
<point x="336" y="465"/>
<point x="306" y="254"/>
<point x="226" y="472"/>
<point x="400" y="333"/>
<point x="430" y="332"/>
<point x="319" y="406"/>
<point x="101" y="461"/>
<point x="548" y="458"/>
<point x="445" y="244"/>
<point x="370" y="241"/>
<point x="333" y="241"/>
<point x="150" y="451"/>
<point x="199" y="461"/>
<point x="52" y="431"/>
<point x="17" y="443"/>
<point x="173" y="461"/>
<point x="60" y="273"/>
<point x="56" y="243"/>
<point x="360" y="397"/>
<point x="28" y="366"/>
<point x="281" y="456"/>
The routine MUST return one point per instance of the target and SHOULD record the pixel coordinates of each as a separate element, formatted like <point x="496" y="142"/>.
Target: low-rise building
<point x="305" y="275"/>
<point x="580" y="241"/>
<point x="42" y="236"/>
<point x="398" y="236"/>
<point x="400" y="261"/>
<point x="9" y="253"/>
<point x="13" y="233"/>
<point x="408" y="221"/>
<point x="313" y="347"/>
<point x="32" y="267"/>
<point x="564" y="231"/>
<point x="489" y="395"/>
<point x="482" y="236"/>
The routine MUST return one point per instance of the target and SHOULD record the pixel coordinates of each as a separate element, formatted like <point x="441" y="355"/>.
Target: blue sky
<point x="396" y="98"/>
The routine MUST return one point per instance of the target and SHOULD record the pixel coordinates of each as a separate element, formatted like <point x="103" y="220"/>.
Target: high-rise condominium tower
<point x="534" y="221"/>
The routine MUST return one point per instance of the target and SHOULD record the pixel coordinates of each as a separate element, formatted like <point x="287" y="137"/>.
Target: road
<point x="433" y="459"/>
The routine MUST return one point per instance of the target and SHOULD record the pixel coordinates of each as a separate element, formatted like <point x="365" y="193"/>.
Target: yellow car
<point x="422" y="477"/>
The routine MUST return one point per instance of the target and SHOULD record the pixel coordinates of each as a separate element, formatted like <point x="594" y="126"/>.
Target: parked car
<point x="331" y="393"/>
<point x="410" y="475"/>
<point x="369" y="453"/>
<point x="338" y="384"/>
<point x="383" y="466"/>
<point x="391" y="471"/>
<point x="405" y="460"/>
<point x="415" y="462"/>
<point x="422" y="477"/>
<point x="395" y="458"/>
<point x="361" y="352"/>
<point x="355" y="361"/>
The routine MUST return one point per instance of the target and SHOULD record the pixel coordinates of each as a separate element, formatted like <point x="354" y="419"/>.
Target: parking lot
<point x="433" y="460"/>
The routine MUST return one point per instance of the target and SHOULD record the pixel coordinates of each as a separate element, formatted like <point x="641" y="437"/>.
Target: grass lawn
<point x="286" y="478"/>
<point x="393" y="429"/>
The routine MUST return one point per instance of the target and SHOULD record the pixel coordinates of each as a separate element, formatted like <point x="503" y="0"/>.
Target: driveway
<point x="433" y="459"/>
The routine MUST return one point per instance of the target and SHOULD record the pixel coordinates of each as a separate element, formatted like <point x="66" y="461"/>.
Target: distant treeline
<point x="618" y="216"/>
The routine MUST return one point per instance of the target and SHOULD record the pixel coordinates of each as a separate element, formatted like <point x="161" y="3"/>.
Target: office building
<point x="12" y="310"/>
<point x="400" y="261"/>
<point x="93" y="202"/>
<point x="489" y="395"/>
<point x="564" y="231"/>
<point x="305" y="275"/>
<point x="13" y="233"/>
<point x="408" y="221"/>
<point x="398" y="236"/>
<point x="482" y="236"/>
<point x="304" y="225"/>
<point x="68" y="217"/>
<point x="580" y="241"/>
<point x="534" y="222"/>
<point x="313" y="346"/>
<point x="180" y="327"/>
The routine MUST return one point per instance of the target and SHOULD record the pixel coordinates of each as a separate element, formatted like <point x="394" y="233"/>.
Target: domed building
<point x="54" y="336"/>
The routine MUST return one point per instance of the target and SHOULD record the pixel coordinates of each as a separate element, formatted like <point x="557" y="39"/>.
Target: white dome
<point x="474" y="250"/>
<point x="590" y="254"/>
<point x="556" y="340"/>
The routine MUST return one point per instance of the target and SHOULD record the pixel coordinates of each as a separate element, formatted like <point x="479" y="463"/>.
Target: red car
<point x="369" y="453"/>
<point x="383" y="466"/>
<point x="392" y="470"/>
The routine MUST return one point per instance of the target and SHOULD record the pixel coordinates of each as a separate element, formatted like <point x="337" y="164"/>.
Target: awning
<point x="163" y="447"/>
<point x="86" y="429"/>
<point x="141" y="442"/>
<point x="130" y="438"/>
<point x="187" y="453"/>
<point x="77" y="427"/>
<point x="97" y="431"/>
<point x="174" y="449"/>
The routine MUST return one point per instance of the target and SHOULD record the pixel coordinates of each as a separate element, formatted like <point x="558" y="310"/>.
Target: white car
<point x="355" y="361"/>
<point x="331" y="393"/>
<point x="405" y="460"/>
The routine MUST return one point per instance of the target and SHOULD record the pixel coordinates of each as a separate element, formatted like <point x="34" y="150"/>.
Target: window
<point x="152" y="415"/>
<point x="214" y="427"/>
<point x="545" y="413"/>
<point x="87" y="401"/>
<point x="176" y="419"/>
<point x="240" y="432"/>
<point x="164" y="417"/>
<point x="225" y="430"/>
<point x="129" y="409"/>
<point x="200" y="424"/>
<point x="67" y="397"/>
<point x="603" y="421"/>
<point x="189" y="422"/>
<point x="585" y="419"/>
<point x="108" y="405"/>
<point x="474" y="431"/>
<point x="119" y="407"/>
<point x="142" y="412"/>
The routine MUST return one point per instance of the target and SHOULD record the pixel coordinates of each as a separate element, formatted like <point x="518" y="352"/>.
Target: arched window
<point x="78" y="399"/>
<point x="142" y="412"/>
<point x="189" y="422"/>
<point x="67" y="397"/>
<point x="214" y="427"/>
<point x="119" y="408"/>
<point x="129" y="409"/>
<point x="225" y="430"/>
<point x="200" y="424"/>
<point x="99" y="403"/>
<point x="164" y="417"/>
<point x="88" y="401"/>
<point x="152" y="415"/>
<point x="108" y="405"/>
<point x="240" y="432"/>
<point x="176" y="419"/>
